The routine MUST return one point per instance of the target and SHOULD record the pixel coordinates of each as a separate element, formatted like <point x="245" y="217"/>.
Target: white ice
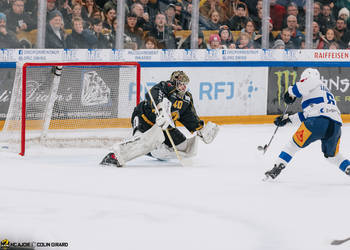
<point x="219" y="202"/>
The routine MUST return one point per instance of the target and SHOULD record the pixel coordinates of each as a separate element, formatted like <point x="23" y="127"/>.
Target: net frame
<point x="25" y="66"/>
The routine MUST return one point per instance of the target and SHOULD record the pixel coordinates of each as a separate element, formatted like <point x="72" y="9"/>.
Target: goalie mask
<point x="180" y="79"/>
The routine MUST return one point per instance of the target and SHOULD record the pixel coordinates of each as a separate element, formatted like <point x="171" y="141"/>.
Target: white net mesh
<point x="84" y="106"/>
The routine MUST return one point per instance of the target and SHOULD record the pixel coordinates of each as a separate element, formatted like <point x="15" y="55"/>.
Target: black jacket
<point x="52" y="41"/>
<point x="165" y="38"/>
<point x="13" y="21"/>
<point x="9" y="40"/>
<point x="85" y="40"/>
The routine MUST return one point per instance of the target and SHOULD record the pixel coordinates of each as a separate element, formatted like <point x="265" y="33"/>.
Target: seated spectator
<point x="76" y="13"/>
<point x="80" y="38"/>
<point x="244" y="42"/>
<point x="110" y="34"/>
<point x="226" y="37"/>
<point x="151" y="43"/>
<point x="163" y="33"/>
<point x="296" y="34"/>
<point x="170" y="17"/>
<point x="277" y="12"/>
<point x="179" y="14"/>
<point x="258" y="37"/>
<point x="327" y="39"/>
<point x="292" y="9"/>
<point x="51" y="6"/>
<point x="112" y="4"/>
<point x="143" y="20"/>
<point x="102" y="41"/>
<point x="318" y="17"/>
<point x="17" y="19"/>
<point x="316" y="35"/>
<point x="334" y="45"/>
<point x="110" y="14"/>
<point x="285" y="36"/>
<point x="201" y="42"/>
<point x="211" y="5"/>
<point x="214" y="20"/>
<point x="8" y="38"/>
<point x="249" y="28"/>
<point x="90" y="8"/>
<point x="328" y="16"/>
<point x="5" y="5"/>
<point x="257" y="20"/>
<point x="278" y="44"/>
<point x="341" y="33"/>
<point x="132" y="31"/>
<point x="55" y="37"/>
<point x="215" y="42"/>
<point x="344" y="14"/>
<point x="238" y="21"/>
<point x="150" y="8"/>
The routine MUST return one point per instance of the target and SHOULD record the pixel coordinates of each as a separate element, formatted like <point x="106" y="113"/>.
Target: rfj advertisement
<point x="224" y="91"/>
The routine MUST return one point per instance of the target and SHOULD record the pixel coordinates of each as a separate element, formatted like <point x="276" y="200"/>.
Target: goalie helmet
<point x="180" y="79"/>
<point x="310" y="73"/>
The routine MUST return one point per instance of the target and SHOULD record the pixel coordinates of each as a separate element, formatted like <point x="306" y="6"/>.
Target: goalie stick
<point x="339" y="242"/>
<point x="166" y="131"/>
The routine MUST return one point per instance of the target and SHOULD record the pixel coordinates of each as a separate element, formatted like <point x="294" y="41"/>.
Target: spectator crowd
<point x="153" y="24"/>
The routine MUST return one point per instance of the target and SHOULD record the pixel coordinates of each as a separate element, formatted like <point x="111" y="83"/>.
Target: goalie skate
<point x="110" y="160"/>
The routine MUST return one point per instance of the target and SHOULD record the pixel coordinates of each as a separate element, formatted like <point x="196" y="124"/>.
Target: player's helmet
<point x="310" y="73"/>
<point x="179" y="78"/>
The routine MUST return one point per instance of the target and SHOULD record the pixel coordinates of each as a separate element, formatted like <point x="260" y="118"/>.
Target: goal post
<point x="70" y="104"/>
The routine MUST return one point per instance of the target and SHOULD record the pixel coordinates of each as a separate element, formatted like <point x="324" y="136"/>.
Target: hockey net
<point x="70" y="104"/>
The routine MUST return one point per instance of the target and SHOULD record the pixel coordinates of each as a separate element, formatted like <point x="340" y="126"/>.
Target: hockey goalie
<point x="172" y="102"/>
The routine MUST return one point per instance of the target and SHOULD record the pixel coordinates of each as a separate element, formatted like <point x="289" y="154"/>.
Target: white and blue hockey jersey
<point x="317" y="100"/>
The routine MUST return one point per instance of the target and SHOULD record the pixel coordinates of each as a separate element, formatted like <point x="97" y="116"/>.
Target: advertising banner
<point x="222" y="91"/>
<point x="7" y="75"/>
<point x="337" y="80"/>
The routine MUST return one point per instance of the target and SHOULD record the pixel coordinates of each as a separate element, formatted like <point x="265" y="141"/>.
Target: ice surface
<point x="218" y="203"/>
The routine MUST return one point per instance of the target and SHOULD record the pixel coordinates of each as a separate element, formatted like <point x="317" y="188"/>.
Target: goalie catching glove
<point x="164" y="119"/>
<point x="282" y="120"/>
<point x="208" y="132"/>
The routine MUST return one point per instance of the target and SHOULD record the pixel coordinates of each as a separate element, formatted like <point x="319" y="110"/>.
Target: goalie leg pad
<point x="186" y="149"/>
<point x="208" y="132"/>
<point x="138" y="145"/>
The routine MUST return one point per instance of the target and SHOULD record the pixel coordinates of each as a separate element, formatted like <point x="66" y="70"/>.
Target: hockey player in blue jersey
<point x="320" y="120"/>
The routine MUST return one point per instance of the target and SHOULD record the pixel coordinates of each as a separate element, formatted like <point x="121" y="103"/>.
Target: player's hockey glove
<point x="164" y="119"/>
<point x="208" y="132"/>
<point x="288" y="98"/>
<point x="282" y="120"/>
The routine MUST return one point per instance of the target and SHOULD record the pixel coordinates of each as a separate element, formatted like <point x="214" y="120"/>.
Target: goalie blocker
<point x="175" y="104"/>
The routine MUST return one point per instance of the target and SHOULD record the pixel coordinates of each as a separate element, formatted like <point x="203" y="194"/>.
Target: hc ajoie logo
<point x="4" y="244"/>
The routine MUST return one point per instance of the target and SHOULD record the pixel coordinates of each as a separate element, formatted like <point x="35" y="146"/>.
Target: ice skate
<point x="347" y="170"/>
<point x="273" y="173"/>
<point x="110" y="160"/>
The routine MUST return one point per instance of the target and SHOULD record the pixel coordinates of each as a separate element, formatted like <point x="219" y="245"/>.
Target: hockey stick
<point x="264" y="148"/>
<point x="166" y="131"/>
<point x="338" y="242"/>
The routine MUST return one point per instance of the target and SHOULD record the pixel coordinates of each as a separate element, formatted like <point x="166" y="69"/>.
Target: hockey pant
<point x="311" y="130"/>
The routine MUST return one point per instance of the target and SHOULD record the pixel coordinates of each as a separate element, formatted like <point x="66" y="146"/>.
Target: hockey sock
<point x="287" y="153"/>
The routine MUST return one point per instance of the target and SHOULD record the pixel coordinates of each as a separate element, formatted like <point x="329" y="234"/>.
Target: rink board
<point x="225" y="92"/>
